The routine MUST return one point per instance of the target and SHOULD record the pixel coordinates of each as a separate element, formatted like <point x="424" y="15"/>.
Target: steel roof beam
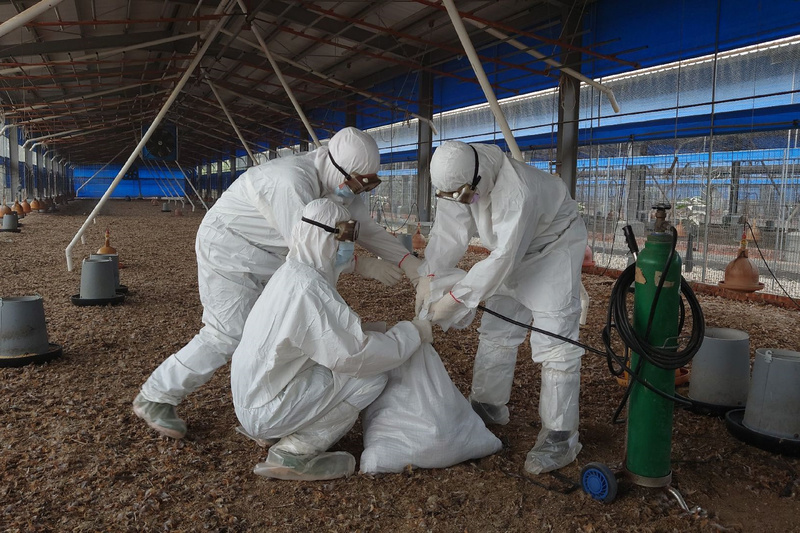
<point x="81" y="44"/>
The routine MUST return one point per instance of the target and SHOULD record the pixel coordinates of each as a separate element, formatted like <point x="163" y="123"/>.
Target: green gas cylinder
<point x="649" y="438"/>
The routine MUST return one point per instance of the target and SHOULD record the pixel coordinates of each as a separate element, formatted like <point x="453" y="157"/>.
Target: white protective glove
<point x="425" y="330"/>
<point x="423" y="293"/>
<point x="445" y="309"/>
<point x="410" y="264"/>
<point x="378" y="269"/>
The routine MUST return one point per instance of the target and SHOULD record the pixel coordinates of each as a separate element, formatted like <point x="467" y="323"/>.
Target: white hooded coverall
<point x="304" y="368"/>
<point x="244" y="239"/>
<point x="530" y="224"/>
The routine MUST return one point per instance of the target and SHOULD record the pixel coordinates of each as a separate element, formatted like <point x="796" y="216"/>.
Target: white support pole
<point x="279" y="74"/>
<point x="189" y="181"/>
<point x="99" y="171"/>
<point x="210" y="36"/>
<point x="177" y="185"/>
<point x="341" y="84"/>
<point x="475" y="61"/>
<point x="227" y="114"/>
<point x="552" y="62"/>
<point x="26" y="16"/>
<point x="165" y="192"/>
<point x="181" y="187"/>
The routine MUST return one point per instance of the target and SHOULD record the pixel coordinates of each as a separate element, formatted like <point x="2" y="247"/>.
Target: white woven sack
<point x="421" y="419"/>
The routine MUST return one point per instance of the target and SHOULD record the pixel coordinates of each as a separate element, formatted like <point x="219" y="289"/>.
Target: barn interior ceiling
<point x="85" y="78"/>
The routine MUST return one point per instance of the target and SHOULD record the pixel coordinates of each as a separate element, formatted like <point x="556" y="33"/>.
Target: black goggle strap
<point x="347" y="175"/>
<point x="340" y="232"/>
<point x="475" y="178"/>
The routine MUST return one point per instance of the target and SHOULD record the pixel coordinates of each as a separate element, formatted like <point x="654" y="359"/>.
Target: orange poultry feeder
<point x="107" y="248"/>
<point x="418" y="242"/>
<point x="17" y="208"/>
<point x="26" y="207"/>
<point x="741" y="274"/>
<point x="4" y="209"/>
<point x="35" y="205"/>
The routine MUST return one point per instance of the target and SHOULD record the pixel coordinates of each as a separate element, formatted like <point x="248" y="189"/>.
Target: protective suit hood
<point x="453" y="165"/>
<point x="314" y="246"/>
<point x="353" y="150"/>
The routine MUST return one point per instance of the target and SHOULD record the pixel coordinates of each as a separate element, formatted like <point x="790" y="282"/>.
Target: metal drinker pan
<point x="23" y="332"/>
<point x="773" y="404"/>
<point x="721" y="369"/>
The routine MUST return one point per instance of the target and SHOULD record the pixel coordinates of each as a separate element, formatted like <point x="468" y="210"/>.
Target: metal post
<point x="569" y="99"/>
<point x="211" y="35"/>
<point x="424" y="146"/>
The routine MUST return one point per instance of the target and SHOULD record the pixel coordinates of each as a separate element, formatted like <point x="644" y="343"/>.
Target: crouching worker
<point x="305" y="368"/>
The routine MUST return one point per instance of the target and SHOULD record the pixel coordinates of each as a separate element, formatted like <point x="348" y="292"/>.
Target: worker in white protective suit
<point x="244" y="239"/>
<point x="305" y="368"/>
<point x="531" y="225"/>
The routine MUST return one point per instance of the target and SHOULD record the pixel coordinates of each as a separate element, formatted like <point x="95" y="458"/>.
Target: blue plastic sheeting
<point x="661" y="32"/>
<point x="650" y="34"/>
<point x="146" y="182"/>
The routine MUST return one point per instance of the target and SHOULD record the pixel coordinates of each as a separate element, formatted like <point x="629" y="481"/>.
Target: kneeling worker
<point x="304" y="368"/>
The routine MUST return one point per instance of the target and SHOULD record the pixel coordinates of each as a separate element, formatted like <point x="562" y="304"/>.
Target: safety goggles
<point x="467" y="193"/>
<point x="357" y="183"/>
<point x="346" y="231"/>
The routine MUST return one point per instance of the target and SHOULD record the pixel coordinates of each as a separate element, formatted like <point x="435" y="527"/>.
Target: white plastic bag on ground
<point x="421" y="419"/>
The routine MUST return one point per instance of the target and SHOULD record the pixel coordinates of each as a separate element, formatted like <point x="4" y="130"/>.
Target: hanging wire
<point x="774" y="277"/>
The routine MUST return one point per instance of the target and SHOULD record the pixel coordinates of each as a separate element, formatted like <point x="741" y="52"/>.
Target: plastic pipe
<point x="211" y="35"/>
<point x="552" y="62"/>
<point x="279" y="74"/>
<point x="26" y="16"/>
<point x="458" y="25"/>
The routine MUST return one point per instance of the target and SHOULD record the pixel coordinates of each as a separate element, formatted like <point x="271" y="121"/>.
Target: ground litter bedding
<point x="75" y="458"/>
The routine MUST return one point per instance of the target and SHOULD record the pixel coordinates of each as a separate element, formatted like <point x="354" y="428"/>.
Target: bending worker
<point x="304" y="368"/>
<point x="244" y="239"/>
<point x="531" y="225"/>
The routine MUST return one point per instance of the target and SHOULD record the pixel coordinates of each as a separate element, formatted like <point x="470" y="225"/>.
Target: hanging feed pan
<point x="23" y="332"/>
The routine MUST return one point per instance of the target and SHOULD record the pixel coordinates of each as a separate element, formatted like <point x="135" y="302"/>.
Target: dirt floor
<point x="75" y="458"/>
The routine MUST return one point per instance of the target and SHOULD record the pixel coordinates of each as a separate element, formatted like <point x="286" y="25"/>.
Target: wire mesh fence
<point x="719" y="197"/>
